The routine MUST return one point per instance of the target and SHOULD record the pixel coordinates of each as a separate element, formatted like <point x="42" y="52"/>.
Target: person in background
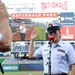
<point x="62" y="54"/>
<point x="5" y="31"/>
<point x="22" y="30"/>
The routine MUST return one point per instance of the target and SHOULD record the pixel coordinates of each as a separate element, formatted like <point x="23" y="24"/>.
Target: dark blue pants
<point x="22" y="36"/>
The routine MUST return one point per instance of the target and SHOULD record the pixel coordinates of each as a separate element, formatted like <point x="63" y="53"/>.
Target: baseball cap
<point x="53" y="26"/>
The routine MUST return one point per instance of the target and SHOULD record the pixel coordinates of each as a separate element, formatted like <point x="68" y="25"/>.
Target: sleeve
<point x="37" y="53"/>
<point x="71" y="54"/>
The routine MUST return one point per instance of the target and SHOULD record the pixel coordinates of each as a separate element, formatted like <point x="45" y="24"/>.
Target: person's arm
<point x="31" y="49"/>
<point x="5" y="30"/>
<point x="73" y="69"/>
<point x="31" y="45"/>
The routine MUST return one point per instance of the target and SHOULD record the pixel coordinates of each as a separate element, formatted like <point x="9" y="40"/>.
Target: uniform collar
<point x="59" y="43"/>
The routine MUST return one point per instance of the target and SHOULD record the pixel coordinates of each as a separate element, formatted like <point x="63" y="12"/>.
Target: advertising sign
<point x="10" y="67"/>
<point x="68" y="33"/>
<point x="67" y="18"/>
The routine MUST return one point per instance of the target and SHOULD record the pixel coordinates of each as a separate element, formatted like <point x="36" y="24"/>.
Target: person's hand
<point x="33" y="34"/>
<point x="3" y="11"/>
<point x="5" y="30"/>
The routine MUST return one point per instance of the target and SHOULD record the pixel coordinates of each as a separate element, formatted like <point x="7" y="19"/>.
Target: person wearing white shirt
<point x="22" y="30"/>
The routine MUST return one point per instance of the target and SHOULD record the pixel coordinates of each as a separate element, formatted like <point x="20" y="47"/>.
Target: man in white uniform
<point x="61" y="55"/>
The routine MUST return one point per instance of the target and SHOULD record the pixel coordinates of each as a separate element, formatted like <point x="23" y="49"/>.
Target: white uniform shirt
<point x="62" y="56"/>
<point x="22" y="29"/>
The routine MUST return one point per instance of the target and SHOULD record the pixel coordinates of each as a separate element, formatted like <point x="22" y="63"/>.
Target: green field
<point x="24" y="73"/>
<point x="41" y="33"/>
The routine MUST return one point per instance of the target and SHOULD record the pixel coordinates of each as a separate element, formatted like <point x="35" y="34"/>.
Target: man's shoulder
<point x="66" y="43"/>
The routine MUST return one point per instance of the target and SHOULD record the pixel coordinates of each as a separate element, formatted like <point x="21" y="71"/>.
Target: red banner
<point x="34" y="15"/>
<point x="68" y="33"/>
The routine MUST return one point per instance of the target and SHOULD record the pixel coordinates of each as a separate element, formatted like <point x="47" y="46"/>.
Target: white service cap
<point x="56" y="23"/>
